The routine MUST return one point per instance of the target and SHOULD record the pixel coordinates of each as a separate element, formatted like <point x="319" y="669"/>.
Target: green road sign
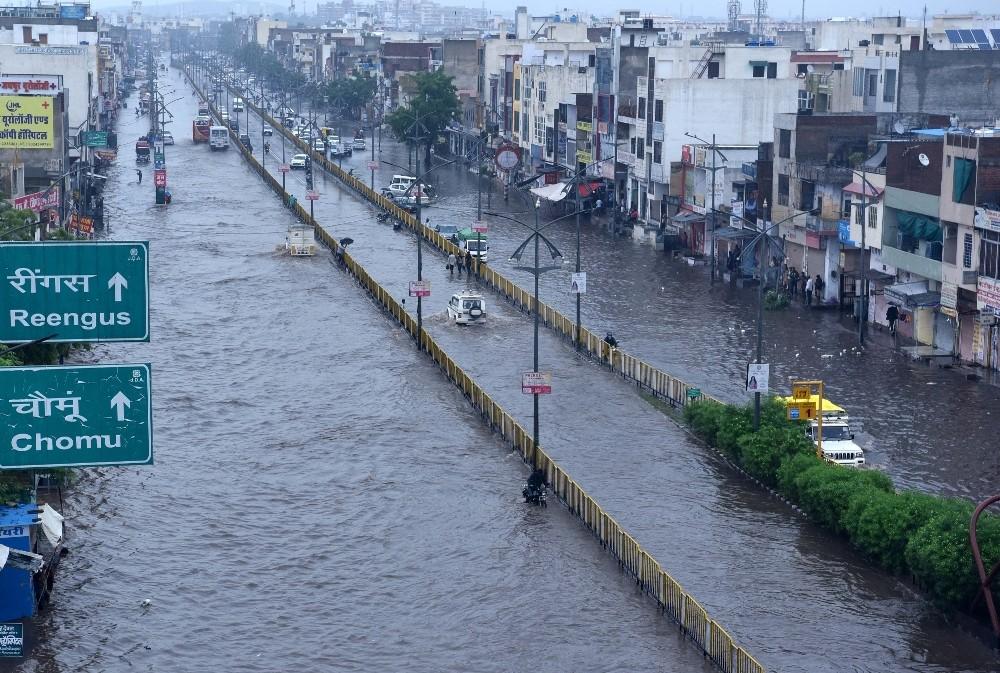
<point x="95" y="138"/>
<point x="96" y="291"/>
<point x="694" y="393"/>
<point x="75" y="416"/>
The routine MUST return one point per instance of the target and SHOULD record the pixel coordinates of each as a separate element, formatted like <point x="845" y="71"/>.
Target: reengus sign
<point x="77" y="291"/>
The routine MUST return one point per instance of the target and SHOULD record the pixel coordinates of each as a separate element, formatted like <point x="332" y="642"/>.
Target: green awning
<point x="918" y="226"/>
<point x="964" y="168"/>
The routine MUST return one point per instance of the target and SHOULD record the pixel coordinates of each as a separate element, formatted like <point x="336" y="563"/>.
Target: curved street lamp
<point x="762" y="242"/>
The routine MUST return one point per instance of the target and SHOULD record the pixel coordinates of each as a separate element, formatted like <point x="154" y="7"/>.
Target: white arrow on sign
<point x="119" y="402"/>
<point x="118" y="282"/>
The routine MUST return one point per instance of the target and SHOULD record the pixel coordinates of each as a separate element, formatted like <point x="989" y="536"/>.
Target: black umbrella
<point x="346" y="241"/>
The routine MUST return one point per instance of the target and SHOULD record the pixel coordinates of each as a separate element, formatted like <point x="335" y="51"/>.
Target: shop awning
<point x="870" y="192"/>
<point x="553" y="193"/>
<point x="687" y="217"/>
<point x="588" y="188"/>
<point x="734" y="233"/>
<point x="913" y="294"/>
<point x="918" y="226"/>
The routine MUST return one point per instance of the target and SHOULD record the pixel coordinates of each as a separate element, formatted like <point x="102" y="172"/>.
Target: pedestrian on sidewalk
<point x="793" y="282"/>
<point x="810" y="287"/>
<point x="460" y="264"/>
<point x="468" y="265"/>
<point x="451" y="264"/>
<point x="820" y="284"/>
<point x="139" y="173"/>
<point x="891" y="316"/>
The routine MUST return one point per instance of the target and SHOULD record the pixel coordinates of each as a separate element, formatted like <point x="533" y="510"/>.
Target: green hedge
<point x="906" y="532"/>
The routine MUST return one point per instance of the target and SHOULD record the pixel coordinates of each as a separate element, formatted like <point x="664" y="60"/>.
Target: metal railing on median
<point x="680" y="606"/>
<point x="659" y="383"/>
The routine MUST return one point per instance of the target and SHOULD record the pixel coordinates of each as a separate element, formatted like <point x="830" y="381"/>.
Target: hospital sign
<point x="26" y="122"/>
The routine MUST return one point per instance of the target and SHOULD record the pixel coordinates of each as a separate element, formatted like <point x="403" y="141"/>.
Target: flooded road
<point x="795" y="597"/>
<point x="929" y="428"/>
<point x="322" y="499"/>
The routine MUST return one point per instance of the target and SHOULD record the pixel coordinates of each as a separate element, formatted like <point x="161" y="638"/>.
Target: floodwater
<point x="797" y="598"/>
<point x="322" y="499"/>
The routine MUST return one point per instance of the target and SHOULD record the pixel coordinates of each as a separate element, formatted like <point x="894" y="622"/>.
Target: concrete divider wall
<point x="681" y="607"/>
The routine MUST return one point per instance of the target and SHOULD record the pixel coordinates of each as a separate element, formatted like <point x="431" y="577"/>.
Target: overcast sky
<point x="717" y="8"/>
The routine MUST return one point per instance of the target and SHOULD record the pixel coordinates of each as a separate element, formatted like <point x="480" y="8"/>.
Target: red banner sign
<point x="312" y="196"/>
<point x="84" y="225"/>
<point x="38" y="201"/>
<point x="160" y="177"/>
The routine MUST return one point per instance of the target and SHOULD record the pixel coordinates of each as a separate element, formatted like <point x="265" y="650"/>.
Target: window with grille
<point x="989" y="251"/>
<point x="658" y="111"/>
<point x="657" y="152"/>
<point x="539" y="129"/>
<point x="967" y="252"/>
<point x="541" y="91"/>
<point x="872" y="217"/>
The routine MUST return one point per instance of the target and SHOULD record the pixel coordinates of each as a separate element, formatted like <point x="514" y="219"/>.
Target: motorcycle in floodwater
<point x="534" y="495"/>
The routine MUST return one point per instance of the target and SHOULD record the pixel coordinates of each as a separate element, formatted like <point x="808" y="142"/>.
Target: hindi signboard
<point x="284" y="168"/>
<point x="75" y="416"/>
<point x="312" y="195"/>
<point x="29" y="85"/>
<point x="82" y="224"/>
<point x="11" y="640"/>
<point x="536" y="383"/>
<point x="79" y="291"/>
<point x="26" y="122"/>
<point x="38" y="201"/>
<point x="372" y="165"/>
<point x="480" y="227"/>
<point x="420" y="288"/>
<point x="160" y="177"/>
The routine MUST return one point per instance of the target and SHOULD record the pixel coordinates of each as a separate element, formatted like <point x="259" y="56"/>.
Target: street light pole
<point x="576" y="188"/>
<point x="863" y="304"/>
<point x="534" y="305"/>
<point x="713" y="208"/>
<point x="762" y="241"/>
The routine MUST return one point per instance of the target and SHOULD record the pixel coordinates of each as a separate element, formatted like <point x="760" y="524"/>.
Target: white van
<point x="218" y="137"/>
<point x="237" y="104"/>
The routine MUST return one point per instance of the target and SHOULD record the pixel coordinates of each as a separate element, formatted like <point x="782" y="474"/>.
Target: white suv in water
<point x="838" y="442"/>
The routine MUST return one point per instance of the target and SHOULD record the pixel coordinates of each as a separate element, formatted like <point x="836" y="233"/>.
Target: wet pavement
<point x="795" y="597"/>
<point x="322" y="499"/>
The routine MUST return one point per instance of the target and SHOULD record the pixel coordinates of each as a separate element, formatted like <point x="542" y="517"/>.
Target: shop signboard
<point x="11" y="640"/>
<point x="30" y="85"/>
<point x="987" y="219"/>
<point x="26" y="122"/>
<point x="38" y="201"/>
<point x="949" y="295"/>
<point x="94" y="138"/>
<point x="988" y="295"/>
<point x="758" y="377"/>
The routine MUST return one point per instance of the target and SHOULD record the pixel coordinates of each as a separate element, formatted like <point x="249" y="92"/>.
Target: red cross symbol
<point x="45" y="104"/>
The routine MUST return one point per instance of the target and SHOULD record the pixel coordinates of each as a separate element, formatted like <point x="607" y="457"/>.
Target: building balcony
<point x="823" y="173"/>
<point x="627" y="158"/>
<point x="925" y="267"/>
<point x="822" y="226"/>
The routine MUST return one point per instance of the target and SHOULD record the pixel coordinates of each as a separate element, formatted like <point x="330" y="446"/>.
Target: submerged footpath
<point x="715" y="531"/>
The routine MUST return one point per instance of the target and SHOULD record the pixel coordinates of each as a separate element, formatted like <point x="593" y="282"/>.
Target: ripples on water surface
<point x="322" y="499"/>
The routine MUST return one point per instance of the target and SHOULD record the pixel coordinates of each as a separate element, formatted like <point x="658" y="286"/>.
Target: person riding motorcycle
<point x="267" y="147"/>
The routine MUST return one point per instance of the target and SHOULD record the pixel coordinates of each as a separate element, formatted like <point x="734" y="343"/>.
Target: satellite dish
<point x="923" y="159"/>
<point x="810" y="69"/>
<point x="899" y="128"/>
